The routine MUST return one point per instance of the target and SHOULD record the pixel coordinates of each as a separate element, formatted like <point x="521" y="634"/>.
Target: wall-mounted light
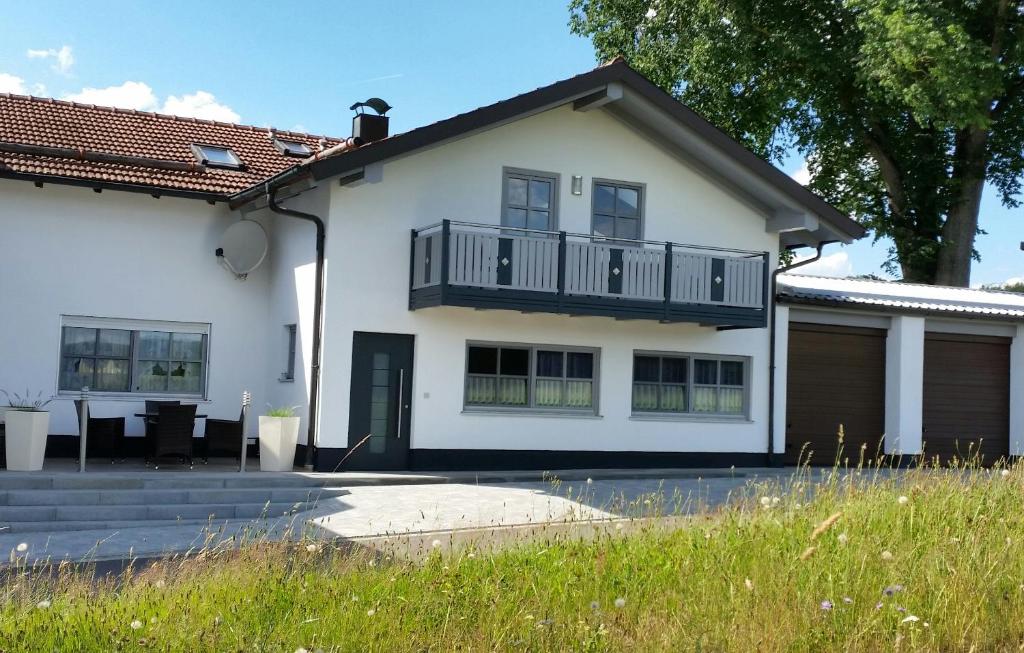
<point x="577" y="185"/>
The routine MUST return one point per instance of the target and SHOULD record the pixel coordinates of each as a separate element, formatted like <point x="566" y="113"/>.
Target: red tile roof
<point x="103" y="130"/>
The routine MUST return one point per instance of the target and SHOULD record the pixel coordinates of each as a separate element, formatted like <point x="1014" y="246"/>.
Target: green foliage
<point x="26" y="402"/>
<point x="901" y="107"/>
<point x="281" y="411"/>
<point x="938" y="571"/>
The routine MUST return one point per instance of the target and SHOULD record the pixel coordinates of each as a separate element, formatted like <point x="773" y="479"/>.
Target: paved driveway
<point x="401" y="509"/>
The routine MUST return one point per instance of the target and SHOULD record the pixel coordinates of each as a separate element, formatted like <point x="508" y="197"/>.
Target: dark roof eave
<point x="113" y="185"/>
<point x="259" y="189"/>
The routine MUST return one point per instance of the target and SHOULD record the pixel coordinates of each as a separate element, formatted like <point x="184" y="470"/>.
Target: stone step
<point x="102" y="497"/>
<point x="154" y="480"/>
<point x="255" y="526"/>
<point x="57" y="515"/>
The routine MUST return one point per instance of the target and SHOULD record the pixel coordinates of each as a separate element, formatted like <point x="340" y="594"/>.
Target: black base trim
<point x="66" y="446"/>
<point x="434" y="460"/>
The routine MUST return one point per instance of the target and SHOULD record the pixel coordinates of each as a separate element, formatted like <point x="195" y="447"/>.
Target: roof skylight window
<point x="217" y="156"/>
<point x="292" y="148"/>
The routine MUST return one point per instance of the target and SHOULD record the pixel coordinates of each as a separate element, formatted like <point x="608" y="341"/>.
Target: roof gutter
<point x="772" y="462"/>
<point x="298" y="171"/>
<point x="318" y="301"/>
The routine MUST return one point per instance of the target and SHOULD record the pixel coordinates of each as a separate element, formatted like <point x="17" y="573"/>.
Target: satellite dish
<point x="243" y="247"/>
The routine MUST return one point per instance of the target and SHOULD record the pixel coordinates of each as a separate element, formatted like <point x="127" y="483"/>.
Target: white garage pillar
<point x="781" y="345"/>
<point x="1017" y="393"/>
<point x="904" y="385"/>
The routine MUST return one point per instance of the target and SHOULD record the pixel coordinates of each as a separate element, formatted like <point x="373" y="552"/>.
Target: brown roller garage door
<point x="966" y="395"/>
<point x="836" y="376"/>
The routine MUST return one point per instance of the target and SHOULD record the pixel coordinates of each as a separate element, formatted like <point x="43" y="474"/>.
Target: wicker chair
<point x="224" y="437"/>
<point x="105" y="437"/>
<point x="172" y="434"/>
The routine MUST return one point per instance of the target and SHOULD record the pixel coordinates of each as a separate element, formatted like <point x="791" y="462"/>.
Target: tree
<point x="904" y="109"/>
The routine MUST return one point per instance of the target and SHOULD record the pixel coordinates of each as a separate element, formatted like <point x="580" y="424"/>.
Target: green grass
<point x="740" y="579"/>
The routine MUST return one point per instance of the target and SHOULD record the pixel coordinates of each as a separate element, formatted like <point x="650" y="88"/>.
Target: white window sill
<point x="129" y="397"/>
<point x="562" y="414"/>
<point x="690" y="417"/>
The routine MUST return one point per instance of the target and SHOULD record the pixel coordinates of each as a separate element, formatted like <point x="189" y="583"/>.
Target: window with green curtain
<point x="665" y="383"/>
<point x="541" y="377"/>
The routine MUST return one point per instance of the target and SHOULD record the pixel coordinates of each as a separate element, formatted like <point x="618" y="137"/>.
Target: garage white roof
<point x="899" y="297"/>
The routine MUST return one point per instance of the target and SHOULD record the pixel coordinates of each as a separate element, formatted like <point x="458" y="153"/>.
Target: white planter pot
<point x="26" y="439"/>
<point x="278" y="436"/>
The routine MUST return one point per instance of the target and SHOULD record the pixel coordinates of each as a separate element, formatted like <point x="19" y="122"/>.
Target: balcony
<point x="491" y="267"/>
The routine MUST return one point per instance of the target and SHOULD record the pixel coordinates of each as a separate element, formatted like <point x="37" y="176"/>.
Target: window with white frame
<point x="133" y="356"/>
<point x="689" y="383"/>
<point x="531" y="377"/>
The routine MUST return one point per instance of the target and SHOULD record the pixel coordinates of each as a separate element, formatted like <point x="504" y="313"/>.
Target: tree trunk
<point x="961" y="227"/>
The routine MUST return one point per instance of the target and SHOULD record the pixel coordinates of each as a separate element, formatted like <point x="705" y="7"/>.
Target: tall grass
<point x="841" y="560"/>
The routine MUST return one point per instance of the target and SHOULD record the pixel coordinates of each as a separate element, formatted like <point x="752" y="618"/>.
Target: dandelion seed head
<point x="159" y="584"/>
<point x="302" y="650"/>
<point x="903" y="500"/>
<point x="620" y="603"/>
<point x="766" y="501"/>
<point x="886" y="555"/>
<point x="22" y="547"/>
<point x="436" y="544"/>
<point x="776" y="501"/>
<point x="843" y="538"/>
<point x="618" y="526"/>
<point x="44" y="604"/>
<point x="909" y="619"/>
<point x="590" y="481"/>
<point x="749" y="584"/>
<point x="847" y="600"/>
<point x="312" y="548"/>
<point x="1004" y="473"/>
<point x="371" y="612"/>
<point x="136" y="624"/>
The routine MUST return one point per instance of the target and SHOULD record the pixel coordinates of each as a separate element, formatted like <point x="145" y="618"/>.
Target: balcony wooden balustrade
<point x="488" y="266"/>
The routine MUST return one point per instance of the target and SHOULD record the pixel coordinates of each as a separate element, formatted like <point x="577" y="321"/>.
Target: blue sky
<point x="300" y="66"/>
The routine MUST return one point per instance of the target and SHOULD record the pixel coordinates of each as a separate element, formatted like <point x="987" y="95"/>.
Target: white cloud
<point x="1014" y="281"/>
<point x="803" y="175"/>
<point x="201" y="104"/>
<point x="130" y="95"/>
<point x="63" y="60"/>
<point x="11" y="84"/>
<point x="140" y="96"/>
<point x="833" y="265"/>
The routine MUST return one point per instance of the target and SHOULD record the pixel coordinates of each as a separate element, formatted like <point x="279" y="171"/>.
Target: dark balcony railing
<point x="471" y="264"/>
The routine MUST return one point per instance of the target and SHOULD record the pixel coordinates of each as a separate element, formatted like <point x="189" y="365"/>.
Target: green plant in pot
<point x="27" y="423"/>
<point x="279" y="435"/>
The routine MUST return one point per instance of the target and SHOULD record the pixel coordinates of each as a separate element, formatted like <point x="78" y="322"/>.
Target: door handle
<point x="401" y="392"/>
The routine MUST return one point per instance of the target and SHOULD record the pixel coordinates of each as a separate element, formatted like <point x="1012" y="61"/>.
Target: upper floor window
<point x="617" y="210"/>
<point x="216" y="156"/>
<point x="132" y="356"/>
<point x="697" y="384"/>
<point x="529" y="200"/>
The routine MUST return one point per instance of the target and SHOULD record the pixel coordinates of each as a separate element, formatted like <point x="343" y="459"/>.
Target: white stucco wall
<point x="368" y="286"/>
<point x="291" y="290"/>
<point x="68" y="250"/>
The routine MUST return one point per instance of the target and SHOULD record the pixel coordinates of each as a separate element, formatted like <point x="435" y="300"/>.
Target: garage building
<point x="900" y="368"/>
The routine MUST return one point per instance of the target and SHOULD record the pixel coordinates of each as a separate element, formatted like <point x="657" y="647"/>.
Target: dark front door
<point x="379" y="403"/>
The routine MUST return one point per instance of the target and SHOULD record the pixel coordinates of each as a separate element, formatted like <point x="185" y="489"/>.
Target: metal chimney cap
<point x="375" y="103"/>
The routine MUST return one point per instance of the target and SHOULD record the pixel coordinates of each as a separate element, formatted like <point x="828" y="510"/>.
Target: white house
<point x="577" y="276"/>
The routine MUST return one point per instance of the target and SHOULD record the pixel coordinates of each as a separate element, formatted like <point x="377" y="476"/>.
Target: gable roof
<point x="642" y="105"/>
<point x="66" y="142"/>
<point x="892" y="296"/>
<point x="43" y="139"/>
